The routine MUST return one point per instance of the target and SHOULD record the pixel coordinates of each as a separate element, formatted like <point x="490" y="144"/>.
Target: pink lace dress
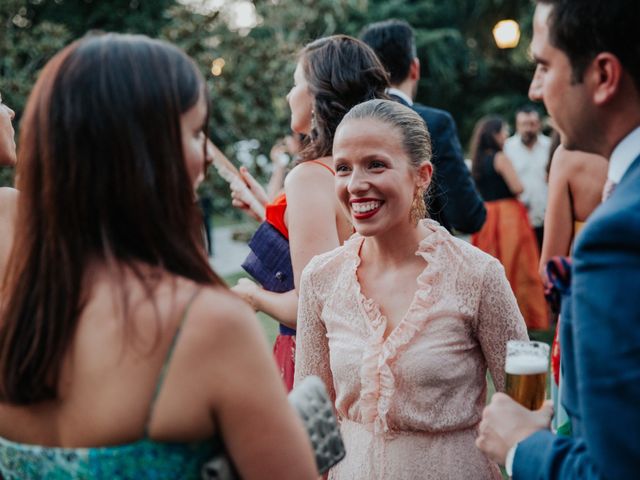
<point x="409" y="405"/>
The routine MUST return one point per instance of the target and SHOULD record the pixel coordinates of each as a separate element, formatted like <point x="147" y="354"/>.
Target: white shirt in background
<point x="531" y="166"/>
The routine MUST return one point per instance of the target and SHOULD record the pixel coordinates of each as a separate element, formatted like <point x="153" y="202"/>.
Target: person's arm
<point x="558" y="219"/>
<point x="260" y="430"/>
<point x="504" y="167"/>
<point x="8" y="209"/>
<point x="462" y="205"/>
<point x="312" y="230"/>
<point x="279" y="160"/>
<point x="312" y="347"/>
<point x="606" y="356"/>
<point x="499" y="320"/>
<point x="311" y="214"/>
<point x="281" y="306"/>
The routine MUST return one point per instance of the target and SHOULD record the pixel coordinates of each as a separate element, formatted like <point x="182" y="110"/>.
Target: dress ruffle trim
<point x="376" y="376"/>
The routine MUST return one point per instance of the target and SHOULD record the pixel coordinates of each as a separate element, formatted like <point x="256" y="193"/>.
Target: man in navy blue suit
<point x="453" y="200"/>
<point x="588" y="75"/>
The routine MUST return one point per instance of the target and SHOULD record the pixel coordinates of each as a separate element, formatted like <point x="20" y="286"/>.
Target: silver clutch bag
<point x="311" y="401"/>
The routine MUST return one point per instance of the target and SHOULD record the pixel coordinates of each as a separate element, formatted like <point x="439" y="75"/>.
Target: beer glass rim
<point x="523" y="344"/>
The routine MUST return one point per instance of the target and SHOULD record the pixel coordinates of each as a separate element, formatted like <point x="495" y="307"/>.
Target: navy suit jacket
<point x="453" y="200"/>
<point x="600" y="339"/>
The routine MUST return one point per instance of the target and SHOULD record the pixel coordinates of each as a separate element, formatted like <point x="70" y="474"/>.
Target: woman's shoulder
<point x="328" y="263"/>
<point x="497" y="159"/>
<point x="7" y="193"/>
<point x="8" y="201"/>
<point x="470" y="259"/>
<point x="213" y="322"/>
<point x="216" y="309"/>
<point x="319" y="170"/>
<point x="474" y="257"/>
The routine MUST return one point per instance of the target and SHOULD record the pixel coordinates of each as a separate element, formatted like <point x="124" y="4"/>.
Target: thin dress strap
<point x="318" y="162"/>
<point x="167" y="361"/>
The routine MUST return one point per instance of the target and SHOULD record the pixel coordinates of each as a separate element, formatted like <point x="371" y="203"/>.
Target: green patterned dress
<point x="140" y="460"/>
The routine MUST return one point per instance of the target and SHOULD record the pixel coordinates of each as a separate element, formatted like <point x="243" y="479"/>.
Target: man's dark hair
<point x="582" y="29"/>
<point x="393" y="42"/>
<point x="527" y="108"/>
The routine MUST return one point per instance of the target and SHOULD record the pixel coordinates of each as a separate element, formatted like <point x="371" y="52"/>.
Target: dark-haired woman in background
<point x="507" y="233"/>
<point x="332" y="75"/>
<point x="122" y="354"/>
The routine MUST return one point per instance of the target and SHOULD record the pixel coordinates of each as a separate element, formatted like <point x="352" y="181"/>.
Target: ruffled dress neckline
<point x="378" y="382"/>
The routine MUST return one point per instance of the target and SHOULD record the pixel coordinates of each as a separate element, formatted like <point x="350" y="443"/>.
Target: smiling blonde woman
<point x="404" y="319"/>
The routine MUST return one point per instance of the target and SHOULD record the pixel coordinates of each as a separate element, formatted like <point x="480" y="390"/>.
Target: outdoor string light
<point x="506" y="33"/>
<point x="216" y="67"/>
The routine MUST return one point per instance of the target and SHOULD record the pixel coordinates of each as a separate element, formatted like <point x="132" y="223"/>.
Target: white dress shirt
<point x="623" y="156"/>
<point x="401" y="94"/>
<point x="531" y="166"/>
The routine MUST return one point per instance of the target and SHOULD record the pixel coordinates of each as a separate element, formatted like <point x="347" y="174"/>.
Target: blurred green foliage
<point x="462" y="70"/>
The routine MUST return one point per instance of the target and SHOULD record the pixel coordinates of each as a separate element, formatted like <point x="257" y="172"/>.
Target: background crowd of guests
<point x="123" y="355"/>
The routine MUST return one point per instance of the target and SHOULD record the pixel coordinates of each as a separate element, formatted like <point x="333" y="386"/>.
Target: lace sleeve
<point x="499" y="319"/>
<point x="312" y="347"/>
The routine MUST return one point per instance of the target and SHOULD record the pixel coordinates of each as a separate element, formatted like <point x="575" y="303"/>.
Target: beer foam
<point x="526" y="365"/>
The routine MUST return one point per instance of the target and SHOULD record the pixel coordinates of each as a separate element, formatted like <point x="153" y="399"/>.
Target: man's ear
<point x="414" y="69"/>
<point x="604" y="76"/>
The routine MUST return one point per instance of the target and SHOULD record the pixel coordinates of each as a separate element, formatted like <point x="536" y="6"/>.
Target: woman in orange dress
<point x="507" y="233"/>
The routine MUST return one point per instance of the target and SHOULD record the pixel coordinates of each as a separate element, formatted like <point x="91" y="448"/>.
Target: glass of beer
<point x="526" y="367"/>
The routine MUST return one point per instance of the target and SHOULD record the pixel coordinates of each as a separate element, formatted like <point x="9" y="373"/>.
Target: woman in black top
<point x="507" y="233"/>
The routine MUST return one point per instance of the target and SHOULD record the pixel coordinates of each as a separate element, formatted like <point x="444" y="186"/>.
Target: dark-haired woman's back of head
<point x="483" y="142"/>
<point x="102" y="176"/>
<point x="342" y="72"/>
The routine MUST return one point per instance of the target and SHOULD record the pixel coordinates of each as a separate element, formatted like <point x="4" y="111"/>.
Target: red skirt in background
<point x="508" y="236"/>
<point x="284" y="351"/>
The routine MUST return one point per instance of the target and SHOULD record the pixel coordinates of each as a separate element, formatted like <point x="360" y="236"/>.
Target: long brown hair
<point x="342" y="72"/>
<point x="483" y="142"/>
<point x="102" y="176"/>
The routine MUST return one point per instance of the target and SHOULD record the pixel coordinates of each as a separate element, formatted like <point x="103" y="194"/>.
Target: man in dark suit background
<point x="453" y="200"/>
<point x="588" y="75"/>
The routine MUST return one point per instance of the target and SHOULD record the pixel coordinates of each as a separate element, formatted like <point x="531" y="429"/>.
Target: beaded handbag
<point x="311" y="401"/>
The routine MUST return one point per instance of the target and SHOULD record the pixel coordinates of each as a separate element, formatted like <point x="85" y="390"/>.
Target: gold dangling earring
<point x="418" y="206"/>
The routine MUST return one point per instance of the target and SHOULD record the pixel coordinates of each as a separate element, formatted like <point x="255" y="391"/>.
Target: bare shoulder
<point x="8" y="193"/>
<point x="216" y="313"/>
<point x="590" y="164"/>
<point x="8" y="201"/>
<point x="500" y="160"/>
<point x="500" y="157"/>
<point x="564" y="163"/>
<point x="573" y="161"/>
<point x="306" y="172"/>
<point x="220" y="329"/>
